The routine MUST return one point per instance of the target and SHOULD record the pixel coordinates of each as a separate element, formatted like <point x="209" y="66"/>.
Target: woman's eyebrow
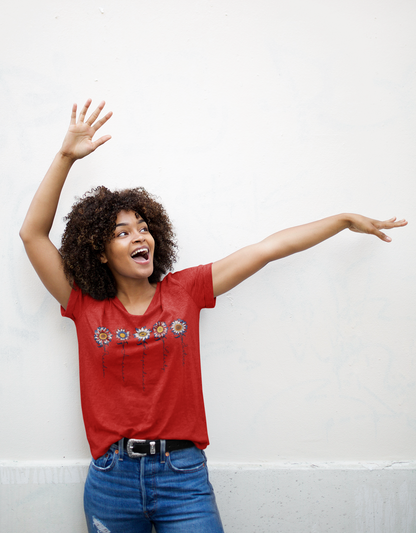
<point x="139" y="221"/>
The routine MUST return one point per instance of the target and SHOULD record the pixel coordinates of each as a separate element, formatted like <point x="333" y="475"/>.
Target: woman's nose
<point x="138" y="236"/>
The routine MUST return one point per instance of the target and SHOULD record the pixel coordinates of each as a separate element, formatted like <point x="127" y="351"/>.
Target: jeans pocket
<point x="106" y="462"/>
<point x="187" y="460"/>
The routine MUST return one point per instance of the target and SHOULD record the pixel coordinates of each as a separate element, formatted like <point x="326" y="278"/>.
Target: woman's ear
<point x="103" y="258"/>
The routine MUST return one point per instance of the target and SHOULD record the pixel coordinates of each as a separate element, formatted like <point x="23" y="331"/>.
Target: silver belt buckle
<point x="132" y="442"/>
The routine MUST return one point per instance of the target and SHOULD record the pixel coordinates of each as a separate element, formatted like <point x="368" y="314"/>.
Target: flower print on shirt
<point x="122" y="336"/>
<point x="142" y="335"/>
<point x="103" y="337"/>
<point x="160" y="331"/>
<point x="178" y="328"/>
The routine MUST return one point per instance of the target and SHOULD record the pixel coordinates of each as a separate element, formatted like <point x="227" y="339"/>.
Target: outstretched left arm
<point x="232" y="270"/>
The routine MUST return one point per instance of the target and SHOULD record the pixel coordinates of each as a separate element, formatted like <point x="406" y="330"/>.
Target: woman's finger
<point x="392" y="223"/>
<point x="95" y="114"/>
<point x="382" y="236"/>
<point x="102" y="121"/>
<point x="73" y="115"/>
<point x="84" y="110"/>
<point x="101" y="141"/>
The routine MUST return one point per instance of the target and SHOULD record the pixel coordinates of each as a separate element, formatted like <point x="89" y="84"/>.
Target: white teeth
<point x="139" y="251"/>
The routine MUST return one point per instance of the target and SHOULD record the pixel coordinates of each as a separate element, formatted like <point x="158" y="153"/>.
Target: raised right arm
<point x="42" y="253"/>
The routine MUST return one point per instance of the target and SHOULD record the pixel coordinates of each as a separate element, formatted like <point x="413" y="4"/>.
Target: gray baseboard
<point x="283" y="498"/>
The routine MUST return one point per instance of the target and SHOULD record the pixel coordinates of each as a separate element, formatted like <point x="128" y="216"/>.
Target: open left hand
<point x="361" y="224"/>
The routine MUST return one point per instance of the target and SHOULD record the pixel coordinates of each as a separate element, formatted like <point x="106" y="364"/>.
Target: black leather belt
<point x="140" y="448"/>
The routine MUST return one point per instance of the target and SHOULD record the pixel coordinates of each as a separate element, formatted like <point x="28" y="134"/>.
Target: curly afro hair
<point x="91" y="224"/>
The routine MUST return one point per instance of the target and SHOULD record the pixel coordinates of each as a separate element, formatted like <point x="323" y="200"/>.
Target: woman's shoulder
<point x="194" y="281"/>
<point x="80" y="301"/>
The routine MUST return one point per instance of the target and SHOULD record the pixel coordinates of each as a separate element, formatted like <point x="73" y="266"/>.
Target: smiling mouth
<point x="141" y="255"/>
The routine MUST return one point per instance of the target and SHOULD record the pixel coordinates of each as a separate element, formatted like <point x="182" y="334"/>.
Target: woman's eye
<point x="143" y="230"/>
<point x="122" y="233"/>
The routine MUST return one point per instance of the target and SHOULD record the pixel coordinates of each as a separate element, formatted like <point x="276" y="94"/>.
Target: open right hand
<point x="78" y="141"/>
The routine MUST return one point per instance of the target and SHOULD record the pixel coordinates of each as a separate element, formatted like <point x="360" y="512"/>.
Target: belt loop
<point x="120" y="449"/>
<point x="162" y="450"/>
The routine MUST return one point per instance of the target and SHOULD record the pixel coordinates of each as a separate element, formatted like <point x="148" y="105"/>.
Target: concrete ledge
<point x="371" y="497"/>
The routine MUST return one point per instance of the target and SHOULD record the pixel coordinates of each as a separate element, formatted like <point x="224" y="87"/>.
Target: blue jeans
<point x="168" y="490"/>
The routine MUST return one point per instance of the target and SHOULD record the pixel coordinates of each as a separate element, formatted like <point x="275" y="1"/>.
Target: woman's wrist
<point x="346" y="220"/>
<point x="65" y="158"/>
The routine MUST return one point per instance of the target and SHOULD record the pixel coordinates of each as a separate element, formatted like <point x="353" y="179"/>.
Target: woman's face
<point x="130" y="252"/>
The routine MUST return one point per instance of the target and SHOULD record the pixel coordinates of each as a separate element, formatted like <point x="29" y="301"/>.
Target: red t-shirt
<point x="140" y="374"/>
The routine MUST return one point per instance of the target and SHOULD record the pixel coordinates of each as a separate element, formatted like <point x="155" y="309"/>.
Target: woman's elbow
<point x="24" y="233"/>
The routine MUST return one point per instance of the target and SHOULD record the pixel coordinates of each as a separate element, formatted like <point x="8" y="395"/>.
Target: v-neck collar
<point x="152" y="304"/>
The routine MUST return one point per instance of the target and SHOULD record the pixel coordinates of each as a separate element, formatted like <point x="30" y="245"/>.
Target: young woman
<point x="138" y="338"/>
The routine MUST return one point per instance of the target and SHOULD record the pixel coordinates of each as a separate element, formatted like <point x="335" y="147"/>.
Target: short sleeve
<point x="73" y="303"/>
<point x="197" y="282"/>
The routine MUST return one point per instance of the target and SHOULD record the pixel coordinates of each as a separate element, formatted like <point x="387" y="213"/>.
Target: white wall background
<point x="245" y="117"/>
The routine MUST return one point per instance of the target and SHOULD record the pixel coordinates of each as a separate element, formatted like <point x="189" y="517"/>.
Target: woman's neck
<point x="136" y="297"/>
